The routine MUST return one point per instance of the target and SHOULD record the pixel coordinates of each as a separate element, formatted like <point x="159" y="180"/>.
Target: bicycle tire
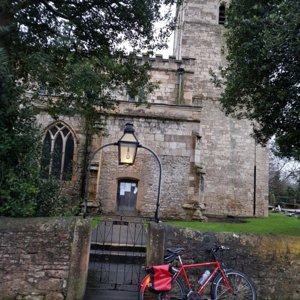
<point x="177" y="292"/>
<point x="243" y="287"/>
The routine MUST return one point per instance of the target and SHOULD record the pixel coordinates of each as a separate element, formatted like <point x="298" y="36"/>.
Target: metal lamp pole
<point x="128" y="132"/>
<point x="156" y="216"/>
<point x="86" y="192"/>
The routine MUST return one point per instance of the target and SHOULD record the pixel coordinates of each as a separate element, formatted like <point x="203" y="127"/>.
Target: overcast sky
<point x="165" y="52"/>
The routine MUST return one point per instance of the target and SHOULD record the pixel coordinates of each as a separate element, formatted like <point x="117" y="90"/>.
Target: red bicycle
<point x="224" y="283"/>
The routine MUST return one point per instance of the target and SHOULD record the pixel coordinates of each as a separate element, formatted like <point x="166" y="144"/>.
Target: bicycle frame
<point x="217" y="268"/>
<point x="181" y="271"/>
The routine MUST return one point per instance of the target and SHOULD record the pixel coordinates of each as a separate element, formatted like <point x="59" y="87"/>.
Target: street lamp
<point x="127" y="150"/>
<point x="127" y="146"/>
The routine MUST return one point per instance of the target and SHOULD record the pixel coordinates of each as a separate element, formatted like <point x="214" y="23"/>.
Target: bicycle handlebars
<point x="174" y="253"/>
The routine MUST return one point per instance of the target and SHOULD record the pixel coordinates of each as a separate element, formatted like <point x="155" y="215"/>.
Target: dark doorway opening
<point x="127" y="195"/>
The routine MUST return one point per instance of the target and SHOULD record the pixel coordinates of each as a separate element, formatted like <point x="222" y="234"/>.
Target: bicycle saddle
<point x="172" y="254"/>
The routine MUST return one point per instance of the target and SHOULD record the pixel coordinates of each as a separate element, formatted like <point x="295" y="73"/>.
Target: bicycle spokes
<point x="172" y="297"/>
<point x="193" y="296"/>
<point x="240" y="289"/>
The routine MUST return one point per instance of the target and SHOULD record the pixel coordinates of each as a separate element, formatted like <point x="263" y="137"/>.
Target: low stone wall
<point x="44" y="258"/>
<point x="272" y="262"/>
<point x="47" y="258"/>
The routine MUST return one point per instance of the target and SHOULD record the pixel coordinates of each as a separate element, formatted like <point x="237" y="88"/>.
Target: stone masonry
<point x="176" y="153"/>
<point x="228" y="154"/>
<point x="208" y="160"/>
<point x="43" y="258"/>
<point x="272" y="262"/>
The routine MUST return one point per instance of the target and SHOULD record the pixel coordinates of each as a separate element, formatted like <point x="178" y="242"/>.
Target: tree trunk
<point x="6" y="25"/>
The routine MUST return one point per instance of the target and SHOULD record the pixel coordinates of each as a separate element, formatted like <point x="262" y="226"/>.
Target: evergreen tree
<point x="262" y="78"/>
<point x="76" y="48"/>
<point x="19" y="183"/>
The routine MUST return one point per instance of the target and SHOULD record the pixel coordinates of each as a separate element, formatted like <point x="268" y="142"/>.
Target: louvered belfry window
<point x="222" y="14"/>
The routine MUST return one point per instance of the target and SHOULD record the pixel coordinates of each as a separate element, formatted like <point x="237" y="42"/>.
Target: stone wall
<point x="272" y="262"/>
<point x="208" y="158"/>
<point x="228" y="156"/>
<point x="44" y="258"/>
<point x="75" y="124"/>
<point x="174" y="78"/>
<point x="174" y="142"/>
<point x="228" y="152"/>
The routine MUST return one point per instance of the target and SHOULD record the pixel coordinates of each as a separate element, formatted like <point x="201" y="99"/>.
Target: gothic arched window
<point x="222" y="13"/>
<point x="58" y="150"/>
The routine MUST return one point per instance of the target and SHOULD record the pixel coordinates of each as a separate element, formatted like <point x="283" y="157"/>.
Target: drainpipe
<point x="254" y="180"/>
<point x="180" y="86"/>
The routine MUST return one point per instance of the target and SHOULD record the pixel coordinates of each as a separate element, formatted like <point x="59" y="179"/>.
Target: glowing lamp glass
<point x="127" y="153"/>
<point x="127" y="146"/>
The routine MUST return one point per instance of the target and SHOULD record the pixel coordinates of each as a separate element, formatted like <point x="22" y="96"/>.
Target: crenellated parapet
<point x="170" y="63"/>
<point x="175" y="80"/>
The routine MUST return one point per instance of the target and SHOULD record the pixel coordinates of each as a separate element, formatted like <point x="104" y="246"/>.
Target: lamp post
<point x="127" y="150"/>
<point x="127" y="146"/>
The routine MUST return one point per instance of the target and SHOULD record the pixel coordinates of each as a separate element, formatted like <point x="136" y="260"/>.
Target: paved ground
<point x="110" y="295"/>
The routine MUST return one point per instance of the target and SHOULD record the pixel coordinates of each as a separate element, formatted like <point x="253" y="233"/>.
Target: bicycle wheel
<point x="242" y="285"/>
<point x="177" y="292"/>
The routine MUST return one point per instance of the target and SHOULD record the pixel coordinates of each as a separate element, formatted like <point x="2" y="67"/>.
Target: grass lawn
<point x="277" y="224"/>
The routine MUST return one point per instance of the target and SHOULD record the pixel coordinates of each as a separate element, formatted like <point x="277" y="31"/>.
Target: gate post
<point x="155" y="244"/>
<point x="79" y="261"/>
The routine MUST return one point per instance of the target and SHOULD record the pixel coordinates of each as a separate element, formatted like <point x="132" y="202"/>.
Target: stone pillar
<point x="79" y="262"/>
<point x="155" y="244"/>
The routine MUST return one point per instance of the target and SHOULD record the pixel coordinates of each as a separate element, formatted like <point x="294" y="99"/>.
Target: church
<point x="211" y="165"/>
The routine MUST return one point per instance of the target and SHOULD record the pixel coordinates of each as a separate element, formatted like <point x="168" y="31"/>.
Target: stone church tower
<point x="234" y="177"/>
<point x="211" y="166"/>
